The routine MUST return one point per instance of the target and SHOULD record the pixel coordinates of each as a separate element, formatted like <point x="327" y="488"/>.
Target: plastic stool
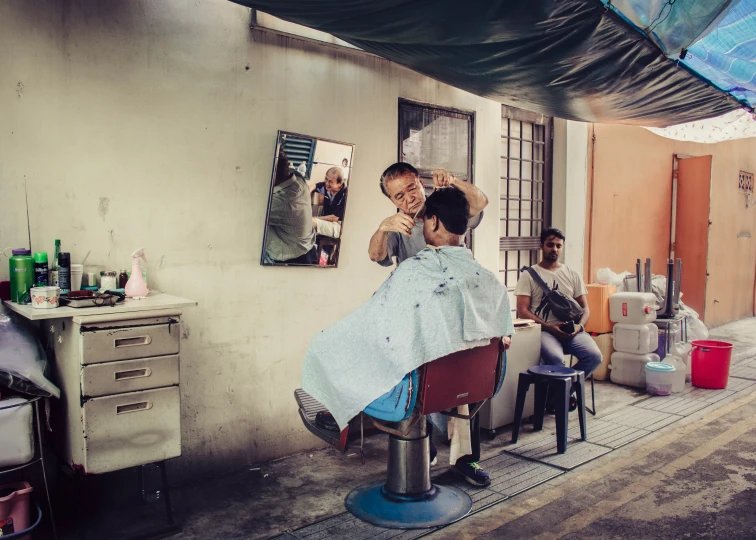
<point x="557" y="379"/>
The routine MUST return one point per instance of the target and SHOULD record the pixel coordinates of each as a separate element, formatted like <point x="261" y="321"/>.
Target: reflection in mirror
<point x="307" y="201"/>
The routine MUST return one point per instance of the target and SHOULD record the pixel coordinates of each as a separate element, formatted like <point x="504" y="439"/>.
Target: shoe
<point x="473" y="474"/>
<point x="434" y="461"/>
<point x="325" y="420"/>
<point x="433" y="456"/>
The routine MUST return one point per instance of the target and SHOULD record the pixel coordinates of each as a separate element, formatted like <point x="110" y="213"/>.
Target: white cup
<point x="77" y="271"/>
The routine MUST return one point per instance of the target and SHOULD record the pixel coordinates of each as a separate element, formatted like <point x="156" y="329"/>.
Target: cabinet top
<point x="152" y="302"/>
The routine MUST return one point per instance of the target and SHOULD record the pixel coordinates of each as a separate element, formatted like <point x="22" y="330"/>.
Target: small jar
<point x="123" y="277"/>
<point x="108" y="280"/>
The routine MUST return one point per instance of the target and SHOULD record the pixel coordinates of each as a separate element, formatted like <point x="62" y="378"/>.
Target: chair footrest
<point x="309" y="407"/>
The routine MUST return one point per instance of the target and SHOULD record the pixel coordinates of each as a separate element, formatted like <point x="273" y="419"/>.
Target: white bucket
<point x="44" y="297"/>
<point x="660" y="378"/>
<point x="636" y="338"/>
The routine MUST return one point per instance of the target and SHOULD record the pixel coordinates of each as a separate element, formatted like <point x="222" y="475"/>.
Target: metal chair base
<point x="441" y="505"/>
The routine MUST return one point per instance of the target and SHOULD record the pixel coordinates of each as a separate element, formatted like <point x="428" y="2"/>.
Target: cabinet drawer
<point x="129" y="376"/>
<point x="131" y="429"/>
<point x="124" y="343"/>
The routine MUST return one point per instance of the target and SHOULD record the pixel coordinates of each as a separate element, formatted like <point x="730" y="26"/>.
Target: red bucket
<point x="710" y="364"/>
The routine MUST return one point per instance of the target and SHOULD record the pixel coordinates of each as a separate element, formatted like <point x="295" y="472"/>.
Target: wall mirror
<point x="307" y="201"/>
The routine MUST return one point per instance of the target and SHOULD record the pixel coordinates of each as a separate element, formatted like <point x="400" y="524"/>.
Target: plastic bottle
<point x="40" y="269"/>
<point x="64" y="272"/>
<point x="136" y="286"/>
<point x="54" y="270"/>
<point x="21" y="266"/>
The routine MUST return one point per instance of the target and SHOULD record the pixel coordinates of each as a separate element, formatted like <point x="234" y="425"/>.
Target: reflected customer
<point x="290" y="238"/>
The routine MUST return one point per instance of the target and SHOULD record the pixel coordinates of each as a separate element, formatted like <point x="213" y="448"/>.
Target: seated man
<point x="435" y="303"/>
<point x="290" y="236"/>
<point x="555" y="342"/>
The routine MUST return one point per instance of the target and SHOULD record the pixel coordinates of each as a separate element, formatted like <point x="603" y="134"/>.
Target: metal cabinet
<point x="524" y="352"/>
<point x="119" y="376"/>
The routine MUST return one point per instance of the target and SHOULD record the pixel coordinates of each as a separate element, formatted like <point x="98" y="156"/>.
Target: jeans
<point x="581" y="346"/>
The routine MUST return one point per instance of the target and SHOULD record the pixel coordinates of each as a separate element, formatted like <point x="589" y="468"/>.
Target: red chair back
<point x="460" y="378"/>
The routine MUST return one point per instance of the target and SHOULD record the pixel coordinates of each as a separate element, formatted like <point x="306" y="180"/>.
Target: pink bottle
<point x="136" y="287"/>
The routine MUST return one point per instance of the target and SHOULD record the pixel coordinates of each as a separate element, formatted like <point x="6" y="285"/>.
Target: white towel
<point x="438" y="302"/>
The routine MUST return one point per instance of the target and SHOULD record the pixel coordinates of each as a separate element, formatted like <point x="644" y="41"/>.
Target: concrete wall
<point x="632" y="197"/>
<point x="569" y="188"/>
<point x="152" y="123"/>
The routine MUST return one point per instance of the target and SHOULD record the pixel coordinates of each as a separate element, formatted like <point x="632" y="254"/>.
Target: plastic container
<point x="660" y="378"/>
<point x="17" y="440"/>
<point x="21" y="270"/>
<point x="77" y="272"/>
<point x="598" y="303"/>
<point x="41" y="272"/>
<point x="14" y="508"/>
<point x="45" y="297"/>
<point x="710" y="363"/>
<point x="682" y="350"/>
<point x="678" y="385"/>
<point x="606" y="346"/>
<point x="632" y="307"/>
<point x="636" y="338"/>
<point x="136" y="286"/>
<point x="630" y="369"/>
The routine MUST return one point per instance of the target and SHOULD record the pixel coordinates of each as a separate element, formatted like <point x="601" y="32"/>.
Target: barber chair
<point x="407" y="499"/>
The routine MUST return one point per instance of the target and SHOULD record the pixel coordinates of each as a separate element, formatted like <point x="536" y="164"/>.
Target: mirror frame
<point x="279" y="134"/>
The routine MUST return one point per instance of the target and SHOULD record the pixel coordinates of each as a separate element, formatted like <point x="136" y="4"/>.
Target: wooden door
<point x="692" y="228"/>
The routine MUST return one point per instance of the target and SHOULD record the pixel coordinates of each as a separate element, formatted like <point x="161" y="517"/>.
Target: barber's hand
<point x="506" y="341"/>
<point x="442" y="178"/>
<point x="399" y="223"/>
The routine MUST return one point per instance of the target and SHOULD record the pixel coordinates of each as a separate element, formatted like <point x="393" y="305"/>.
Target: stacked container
<point x="635" y="337"/>
<point x="600" y="325"/>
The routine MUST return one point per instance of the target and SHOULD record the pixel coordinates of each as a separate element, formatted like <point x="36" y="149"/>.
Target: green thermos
<point x="21" y="275"/>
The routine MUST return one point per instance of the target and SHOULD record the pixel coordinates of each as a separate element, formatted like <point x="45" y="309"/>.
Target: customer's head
<point x="446" y="215"/>
<point x="552" y="242"/>
<point x="401" y="183"/>
<point x="282" y="168"/>
<point x="334" y="179"/>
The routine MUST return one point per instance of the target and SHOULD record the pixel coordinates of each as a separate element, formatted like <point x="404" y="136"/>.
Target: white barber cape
<point x="436" y="303"/>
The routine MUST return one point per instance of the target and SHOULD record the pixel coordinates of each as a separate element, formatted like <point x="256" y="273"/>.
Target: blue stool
<point x="558" y="380"/>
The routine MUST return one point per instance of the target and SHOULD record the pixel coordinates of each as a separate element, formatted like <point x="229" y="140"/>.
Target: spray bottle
<point x="136" y="286"/>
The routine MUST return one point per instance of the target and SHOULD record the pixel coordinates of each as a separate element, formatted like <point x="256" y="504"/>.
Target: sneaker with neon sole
<point x="473" y="473"/>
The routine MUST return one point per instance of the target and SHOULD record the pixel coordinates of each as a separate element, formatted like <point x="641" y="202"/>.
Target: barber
<point x="400" y="236"/>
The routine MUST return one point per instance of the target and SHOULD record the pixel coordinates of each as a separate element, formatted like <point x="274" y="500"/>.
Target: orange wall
<point x="632" y="194"/>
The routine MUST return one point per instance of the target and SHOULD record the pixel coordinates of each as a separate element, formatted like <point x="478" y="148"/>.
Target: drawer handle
<point x="134" y="407"/>
<point x="132" y="341"/>
<point x="132" y="374"/>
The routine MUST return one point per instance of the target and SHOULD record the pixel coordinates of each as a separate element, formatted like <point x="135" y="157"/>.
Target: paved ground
<point x="695" y="478"/>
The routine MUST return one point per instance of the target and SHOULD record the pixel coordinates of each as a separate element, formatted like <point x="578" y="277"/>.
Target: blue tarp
<point x="715" y="38"/>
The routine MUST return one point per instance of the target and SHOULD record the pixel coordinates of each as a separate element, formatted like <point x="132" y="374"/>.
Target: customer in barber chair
<point x="437" y="302"/>
<point x="334" y="191"/>
<point x="558" y="337"/>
